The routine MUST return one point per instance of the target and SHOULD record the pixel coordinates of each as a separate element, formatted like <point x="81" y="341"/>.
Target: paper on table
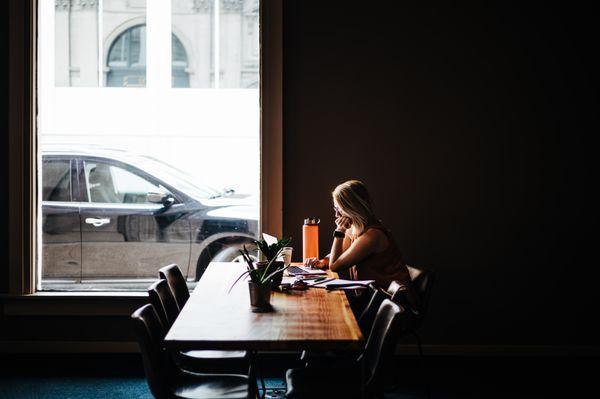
<point x="304" y="271"/>
<point x="288" y="280"/>
<point x="343" y="284"/>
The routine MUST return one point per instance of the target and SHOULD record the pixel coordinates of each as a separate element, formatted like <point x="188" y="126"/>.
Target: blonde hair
<point x="354" y="202"/>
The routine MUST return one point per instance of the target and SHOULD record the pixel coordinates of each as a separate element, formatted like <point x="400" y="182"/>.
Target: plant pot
<point x="260" y="296"/>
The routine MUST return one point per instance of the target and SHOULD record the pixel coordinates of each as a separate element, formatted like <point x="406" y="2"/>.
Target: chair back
<point x="379" y="351"/>
<point x="164" y="303"/>
<point x="150" y="334"/>
<point x="395" y="290"/>
<point x="174" y="276"/>
<point x="367" y="317"/>
<point x="422" y="282"/>
<point x="410" y="300"/>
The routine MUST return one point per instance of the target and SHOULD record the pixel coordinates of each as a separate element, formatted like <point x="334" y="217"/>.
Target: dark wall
<point x="4" y="148"/>
<point x="471" y="126"/>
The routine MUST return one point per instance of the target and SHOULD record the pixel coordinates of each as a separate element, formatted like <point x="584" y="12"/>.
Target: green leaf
<point x="238" y="279"/>
<point x="262" y="280"/>
<point x="272" y="251"/>
<point x="280" y="270"/>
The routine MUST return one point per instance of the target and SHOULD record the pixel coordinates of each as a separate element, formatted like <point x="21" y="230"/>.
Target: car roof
<point x="176" y="176"/>
<point x="88" y="150"/>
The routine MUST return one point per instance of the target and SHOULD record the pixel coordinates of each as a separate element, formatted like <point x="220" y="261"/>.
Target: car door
<point x="61" y="234"/>
<point x="124" y="236"/>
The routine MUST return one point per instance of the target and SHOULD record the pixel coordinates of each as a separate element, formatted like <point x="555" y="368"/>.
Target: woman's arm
<point x="324" y="263"/>
<point x="362" y="247"/>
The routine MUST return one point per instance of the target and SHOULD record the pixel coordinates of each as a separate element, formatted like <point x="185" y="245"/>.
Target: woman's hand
<point x="342" y="223"/>
<point x="316" y="263"/>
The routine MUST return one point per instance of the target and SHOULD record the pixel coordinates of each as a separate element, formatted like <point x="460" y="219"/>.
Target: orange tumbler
<point x="310" y="238"/>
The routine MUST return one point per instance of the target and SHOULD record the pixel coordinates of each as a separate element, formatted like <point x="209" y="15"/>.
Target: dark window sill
<point x="72" y="303"/>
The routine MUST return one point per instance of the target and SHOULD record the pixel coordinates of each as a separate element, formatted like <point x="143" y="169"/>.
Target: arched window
<point x="127" y="60"/>
<point x="179" y="64"/>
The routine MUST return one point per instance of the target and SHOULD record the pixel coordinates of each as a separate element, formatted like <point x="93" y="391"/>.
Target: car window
<point x="56" y="180"/>
<point x="113" y="184"/>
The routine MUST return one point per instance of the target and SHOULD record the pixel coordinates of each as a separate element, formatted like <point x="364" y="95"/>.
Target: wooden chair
<point x="203" y="361"/>
<point x="172" y="273"/>
<point x="166" y="380"/>
<point x="365" y="374"/>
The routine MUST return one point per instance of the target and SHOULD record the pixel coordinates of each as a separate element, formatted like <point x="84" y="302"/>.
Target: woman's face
<point x="338" y="210"/>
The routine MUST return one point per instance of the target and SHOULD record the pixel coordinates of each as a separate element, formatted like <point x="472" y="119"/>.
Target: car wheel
<point x="224" y="252"/>
<point x="231" y="253"/>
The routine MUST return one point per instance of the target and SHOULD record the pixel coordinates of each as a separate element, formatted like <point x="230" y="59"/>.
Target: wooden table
<point x="215" y="319"/>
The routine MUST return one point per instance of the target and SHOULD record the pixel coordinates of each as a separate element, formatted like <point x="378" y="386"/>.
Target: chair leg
<point x="421" y="365"/>
<point x="264" y="388"/>
<point x="419" y="344"/>
<point x="260" y="375"/>
<point x="256" y="371"/>
<point x="253" y="383"/>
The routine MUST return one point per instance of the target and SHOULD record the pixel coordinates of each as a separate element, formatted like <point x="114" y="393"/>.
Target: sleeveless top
<point x="383" y="267"/>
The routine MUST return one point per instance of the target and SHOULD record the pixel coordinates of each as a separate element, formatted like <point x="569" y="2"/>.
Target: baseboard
<point x="498" y="350"/>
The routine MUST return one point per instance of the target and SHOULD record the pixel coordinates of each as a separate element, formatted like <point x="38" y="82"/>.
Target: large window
<point x="148" y="132"/>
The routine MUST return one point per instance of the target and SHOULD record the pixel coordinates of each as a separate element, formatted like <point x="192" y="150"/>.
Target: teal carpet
<point x="74" y="388"/>
<point x="121" y="376"/>
<point x="94" y="388"/>
<point x="113" y="388"/>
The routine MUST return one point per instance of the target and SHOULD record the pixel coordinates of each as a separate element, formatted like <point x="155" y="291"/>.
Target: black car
<point x="108" y="215"/>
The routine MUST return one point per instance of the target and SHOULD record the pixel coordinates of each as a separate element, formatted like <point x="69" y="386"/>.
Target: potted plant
<point x="270" y="253"/>
<point x="261" y="281"/>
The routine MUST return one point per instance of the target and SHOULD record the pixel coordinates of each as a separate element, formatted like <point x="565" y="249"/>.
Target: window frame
<point x="23" y="160"/>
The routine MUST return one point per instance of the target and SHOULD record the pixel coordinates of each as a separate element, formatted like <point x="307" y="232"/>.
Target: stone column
<point x="84" y="43"/>
<point x="231" y="43"/>
<point x="61" y="43"/>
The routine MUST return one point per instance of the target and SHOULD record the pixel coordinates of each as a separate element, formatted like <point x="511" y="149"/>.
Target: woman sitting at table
<point x="361" y="244"/>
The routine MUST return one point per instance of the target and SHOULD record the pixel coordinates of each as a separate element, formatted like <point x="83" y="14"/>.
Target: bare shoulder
<point x="377" y="237"/>
<point x="373" y="236"/>
<point x="373" y="233"/>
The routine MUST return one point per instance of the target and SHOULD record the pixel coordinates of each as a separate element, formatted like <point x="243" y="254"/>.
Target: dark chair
<point x="166" y="380"/>
<point x="422" y="281"/>
<point x="365" y="374"/>
<point x="174" y="276"/>
<point x="394" y="292"/>
<point x="367" y="317"/>
<point x="203" y="361"/>
<point x="164" y="302"/>
<point x="365" y="322"/>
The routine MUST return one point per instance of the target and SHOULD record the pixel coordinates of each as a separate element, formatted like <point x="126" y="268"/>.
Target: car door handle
<point x="97" y="222"/>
